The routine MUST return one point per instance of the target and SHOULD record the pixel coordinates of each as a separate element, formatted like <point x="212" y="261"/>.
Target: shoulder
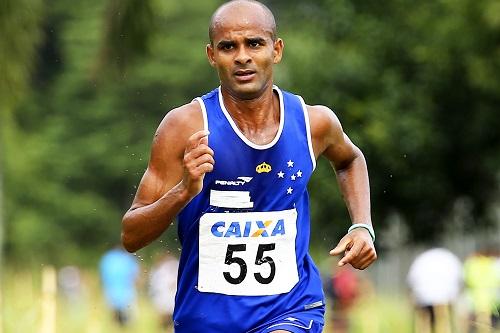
<point x="173" y="132"/>
<point x="322" y="119"/>
<point x="185" y="118"/>
<point x="179" y="124"/>
<point x="325" y="127"/>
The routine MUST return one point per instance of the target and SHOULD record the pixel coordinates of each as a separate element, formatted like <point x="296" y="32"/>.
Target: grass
<point x="21" y="302"/>
<point x="22" y="308"/>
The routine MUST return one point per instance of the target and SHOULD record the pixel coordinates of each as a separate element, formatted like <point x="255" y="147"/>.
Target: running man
<point x="233" y="167"/>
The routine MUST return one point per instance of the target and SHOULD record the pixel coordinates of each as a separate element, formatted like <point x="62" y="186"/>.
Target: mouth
<point x="244" y="74"/>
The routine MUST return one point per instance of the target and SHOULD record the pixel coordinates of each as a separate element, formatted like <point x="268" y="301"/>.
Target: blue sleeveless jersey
<point x="245" y="237"/>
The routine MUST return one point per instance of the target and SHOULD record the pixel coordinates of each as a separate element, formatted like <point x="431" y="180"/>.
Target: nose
<point x="242" y="56"/>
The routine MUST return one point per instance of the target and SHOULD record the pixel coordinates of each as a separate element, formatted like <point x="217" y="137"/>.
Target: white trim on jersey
<point x="242" y="136"/>
<point x="292" y="324"/>
<point x="203" y="112"/>
<point x="308" y="130"/>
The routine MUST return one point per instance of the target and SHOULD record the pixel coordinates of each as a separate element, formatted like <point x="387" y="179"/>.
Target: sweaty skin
<point x="243" y="50"/>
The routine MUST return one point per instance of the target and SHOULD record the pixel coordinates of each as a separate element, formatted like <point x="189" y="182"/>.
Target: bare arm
<point x="180" y="157"/>
<point x="350" y="167"/>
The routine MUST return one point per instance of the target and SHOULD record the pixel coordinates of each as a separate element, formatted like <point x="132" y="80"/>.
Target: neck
<point x="257" y="118"/>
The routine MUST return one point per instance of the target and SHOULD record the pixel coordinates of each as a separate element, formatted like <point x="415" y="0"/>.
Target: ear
<point x="279" y="45"/>
<point x="210" y="54"/>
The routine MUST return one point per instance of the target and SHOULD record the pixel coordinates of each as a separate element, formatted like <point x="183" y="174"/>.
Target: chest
<point x="244" y="177"/>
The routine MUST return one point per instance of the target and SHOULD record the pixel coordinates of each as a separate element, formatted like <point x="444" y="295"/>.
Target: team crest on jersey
<point x="263" y="167"/>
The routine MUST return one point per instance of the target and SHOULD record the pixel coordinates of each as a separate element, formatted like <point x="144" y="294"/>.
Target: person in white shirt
<point x="435" y="281"/>
<point x="163" y="286"/>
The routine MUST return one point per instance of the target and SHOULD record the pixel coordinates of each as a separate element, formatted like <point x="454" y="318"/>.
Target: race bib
<point x="248" y="253"/>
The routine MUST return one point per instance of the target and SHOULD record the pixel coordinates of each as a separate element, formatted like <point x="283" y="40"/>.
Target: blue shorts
<point x="298" y="322"/>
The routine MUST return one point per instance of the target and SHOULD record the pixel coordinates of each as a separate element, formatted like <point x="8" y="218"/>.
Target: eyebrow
<point x="256" y="40"/>
<point x="224" y="43"/>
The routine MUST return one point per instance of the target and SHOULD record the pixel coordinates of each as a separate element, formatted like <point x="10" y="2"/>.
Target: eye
<point x="225" y="46"/>
<point x="254" y="44"/>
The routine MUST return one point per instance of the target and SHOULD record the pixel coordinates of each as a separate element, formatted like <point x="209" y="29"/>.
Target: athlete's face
<point x="243" y="52"/>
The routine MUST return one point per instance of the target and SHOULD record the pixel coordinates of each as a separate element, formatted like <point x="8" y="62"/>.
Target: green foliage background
<point x="84" y="85"/>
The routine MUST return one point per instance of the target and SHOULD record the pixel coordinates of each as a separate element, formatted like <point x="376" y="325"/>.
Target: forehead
<point x="242" y="20"/>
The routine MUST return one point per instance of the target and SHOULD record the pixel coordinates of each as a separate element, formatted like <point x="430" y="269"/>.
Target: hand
<point x="358" y="249"/>
<point x="198" y="160"/>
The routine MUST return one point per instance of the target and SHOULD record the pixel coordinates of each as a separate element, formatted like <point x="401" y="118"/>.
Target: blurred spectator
<point x="163" y="286"/>
<point x="482" y="281"/>
<point x="435" y="280"/>
<point x="496" y="314"/>
<point x="342" y="288"/>
<point x="70" y="283"/>
<point x="119" y="272"/>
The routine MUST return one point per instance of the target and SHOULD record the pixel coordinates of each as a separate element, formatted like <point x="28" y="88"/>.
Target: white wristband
<point x="365" y="226"/>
